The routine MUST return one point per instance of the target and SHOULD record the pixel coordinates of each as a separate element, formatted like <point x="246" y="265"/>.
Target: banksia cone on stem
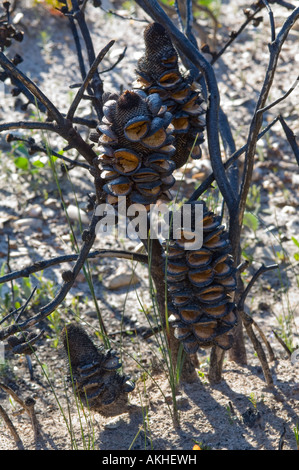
<point x="94" y="372"/>
<point x="136" y="148"/>
<point x="158" y="72"/>
<point x="200" y="285"/>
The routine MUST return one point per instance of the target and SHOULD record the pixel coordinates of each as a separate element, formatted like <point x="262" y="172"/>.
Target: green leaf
<point x="296" y="256"/>
<point x="38" y="164"/>
<point x="251" y="221"/>
<point x="295" y="241"/>
<point x="22" y="163"/>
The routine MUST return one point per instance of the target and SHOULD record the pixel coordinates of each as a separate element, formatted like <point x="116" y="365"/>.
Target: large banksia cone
<point x="200" y="285"/>
<point x="136" y="148"/>
<point x="158" y="72"/>
<point x="94" y="371"/>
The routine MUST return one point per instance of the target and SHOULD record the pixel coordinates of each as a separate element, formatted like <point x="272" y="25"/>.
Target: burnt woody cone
<point x="94" y="371"/>
<point x="158" y="72"/>
<point x="200" y="287"/>
<point x="136" y="148"/>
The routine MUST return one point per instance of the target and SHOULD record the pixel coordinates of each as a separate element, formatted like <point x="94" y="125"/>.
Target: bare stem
<point x="12" y="428"/>
<point x="44" y="264"/>
<point x="87" y="80"/>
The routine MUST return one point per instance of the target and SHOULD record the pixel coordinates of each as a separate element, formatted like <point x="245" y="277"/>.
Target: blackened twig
<point x="180" y="20"/>
<point x="281" y="439"/>
<point x="41" y="265"/>
<point x="78" y="46"/>
<point x="287" y="5"/>
<point x="211" y="178"/>
<point x="91" y="123"/>
<point x="37" y="148"/>
<point x="119" y="59"/>
<point x="27" y="405"/>
<point x="26" y="304"/>
<point x="271" y="18"/>
<point x="45" y="126"/>
<point x="63" y="291"/>
<point x="271" y="105"/>
<point x="65" y="130"/>
<point x="12" y="428"/>
<point x="132" y="18"/>
<point x="263" y="269"/>
<point x="189" y="23"/>
<point x="236" y="34"/>
<point x="283" y="344"/>
<point x="247" y="322"/>
<point x="87" y="80"/>
<point x="230" y="149"/>
<point x="96" y="82"/>
<point x="256" y="122"/>
<point x="263" y="336"/>
<point x="291" y="138"/>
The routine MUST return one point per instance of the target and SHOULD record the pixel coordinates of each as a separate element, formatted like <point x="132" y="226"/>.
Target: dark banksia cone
<point x="136" y="148"/>
<point x="94" y="372"/>
<point x="200" y="284"/>
<point x="158" y="72"/>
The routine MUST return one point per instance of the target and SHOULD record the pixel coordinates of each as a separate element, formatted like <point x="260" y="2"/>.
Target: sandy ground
<point x="238" y="414"/>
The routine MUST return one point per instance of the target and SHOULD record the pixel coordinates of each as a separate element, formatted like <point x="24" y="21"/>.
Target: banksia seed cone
<point x="136" y="145"/>
<point x="158" y="72"/>
<point x="200" y="284"/>
<point x="94" y="372"/>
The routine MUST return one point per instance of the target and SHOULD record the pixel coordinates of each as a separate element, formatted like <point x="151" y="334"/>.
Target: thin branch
<point x="27" y="405"/>
<point x="275" y="48"/>
<point x="78" y="46"/>
<point x="41" y="265"/>
<point x="271" y="105"/>
<point x="12" y="429"/>
<point x="91" y="123"/>
<point x="63" y="291"/>
<point x="263" y="336"/>
<point x="235" y="34"/>
<point x="291" y="138"/>
<point x="189" y="23"/>
<point x="180" y="21"/>
<point x="119" y="59"/>
<point x="285" y="347"/>
<point x="271" y="18"/>
<point x="33" y="147"/>
<point x="25" y="305"/>
<point x="211" y="178"/>
<point x="96" y="82"/>
<point x="281" y="439"/>
<point x="263" y="269"/>
<point x="65" y="130"/>
<point x="45" y="126"/>
<point x="87" y="80"/>
<point x="247" y="322"/>
<point x="287" y="5"/>
<point x="132" y="18"/>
